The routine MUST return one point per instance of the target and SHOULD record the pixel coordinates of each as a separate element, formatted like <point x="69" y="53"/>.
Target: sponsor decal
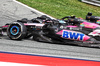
<point x="73" y="35"/>
<point x="86" y="25"/>
<point x="61" y="21"/>
<point x="95" y="33"/>
<point x="33" y="24"/>
<point x="98" y="22"/>
<point x="82" y="25"/>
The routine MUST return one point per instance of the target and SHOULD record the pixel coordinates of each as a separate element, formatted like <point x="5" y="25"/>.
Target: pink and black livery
<point x="72" y="31"/>
<point x="94" y="19"/>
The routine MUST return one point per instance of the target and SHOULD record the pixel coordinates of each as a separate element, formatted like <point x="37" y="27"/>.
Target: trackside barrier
<point x="93" y="2"/>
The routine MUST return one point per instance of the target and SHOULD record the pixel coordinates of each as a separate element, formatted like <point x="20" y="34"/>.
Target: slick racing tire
<point x="16" y="31"/>
<point x="1" y="32"/>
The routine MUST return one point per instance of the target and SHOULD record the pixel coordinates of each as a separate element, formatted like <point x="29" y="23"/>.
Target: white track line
<point x="16" y="64"/>
<point x="32" y="9"/>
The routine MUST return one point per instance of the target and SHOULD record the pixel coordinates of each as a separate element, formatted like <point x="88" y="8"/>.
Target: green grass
<point x="61" y="8"/>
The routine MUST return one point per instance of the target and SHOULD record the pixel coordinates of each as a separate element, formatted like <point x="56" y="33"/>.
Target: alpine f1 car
<point x="94" y="19"/>
<point x="54" y="31"/>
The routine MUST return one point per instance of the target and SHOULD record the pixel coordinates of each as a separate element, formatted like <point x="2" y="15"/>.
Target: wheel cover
<point x="14" y="30"/>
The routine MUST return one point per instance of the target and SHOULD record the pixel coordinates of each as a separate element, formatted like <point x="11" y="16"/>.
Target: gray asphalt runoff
<point x="11" y="11"/>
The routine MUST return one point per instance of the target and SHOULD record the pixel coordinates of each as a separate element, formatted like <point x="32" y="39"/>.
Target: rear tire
<point x="16" y="31"/>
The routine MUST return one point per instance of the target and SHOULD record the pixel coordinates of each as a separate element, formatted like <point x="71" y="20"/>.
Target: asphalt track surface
<point x="11" y="11"/>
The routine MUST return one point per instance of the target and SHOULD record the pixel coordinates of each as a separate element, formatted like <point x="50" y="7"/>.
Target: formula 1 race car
<point x="82" y="23"/>
<point x="94" y="19"/>
<point x="91" y="24"/>
<point x="53" y="31"/>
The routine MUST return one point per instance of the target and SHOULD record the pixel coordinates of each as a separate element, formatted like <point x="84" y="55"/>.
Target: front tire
<point x="16" y="31"/>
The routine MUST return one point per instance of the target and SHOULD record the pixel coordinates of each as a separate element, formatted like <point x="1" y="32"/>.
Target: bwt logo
<point x="72" y="35"/>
